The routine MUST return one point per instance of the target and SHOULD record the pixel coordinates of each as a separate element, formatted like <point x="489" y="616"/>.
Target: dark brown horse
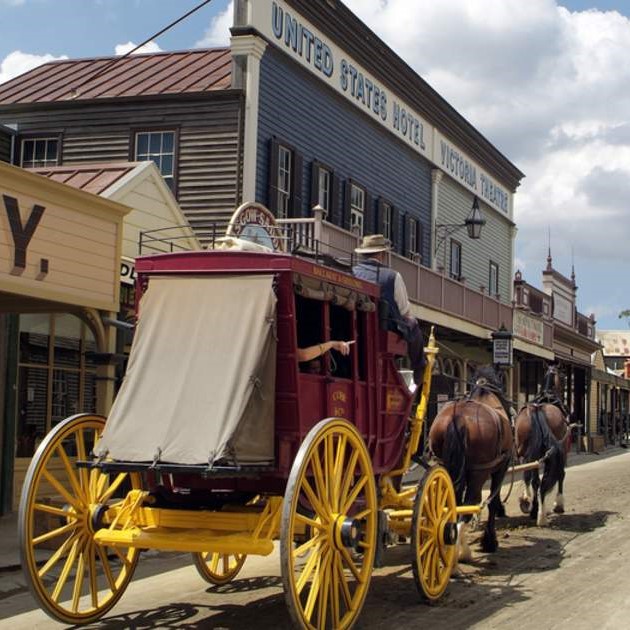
<point x="541" y="430"/>
<point x="473" y="439"/>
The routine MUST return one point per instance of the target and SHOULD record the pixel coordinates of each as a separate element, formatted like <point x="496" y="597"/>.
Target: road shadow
<point x="243" y="585"/>
<point x="577" y="523"/>
<point x="264" y="612"/>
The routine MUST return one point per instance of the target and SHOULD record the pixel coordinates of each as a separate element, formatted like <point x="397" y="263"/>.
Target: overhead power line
<point x="101" y="71"/>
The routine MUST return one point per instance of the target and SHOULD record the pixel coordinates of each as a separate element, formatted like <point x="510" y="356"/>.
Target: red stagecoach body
<point x="366" y="389"/>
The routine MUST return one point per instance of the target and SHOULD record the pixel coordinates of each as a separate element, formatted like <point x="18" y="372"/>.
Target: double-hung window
<point x="37" y="152"/>
<point x="493" y="279"/>
<point x="357" y="208"/>
<point x="284" y="181"/>
<point x="456" y="260"/>
<point x="414" y="245"/>
<point x="158" y="146"/>
<point x="386" y="220"/>
<point x="324" y="186"/>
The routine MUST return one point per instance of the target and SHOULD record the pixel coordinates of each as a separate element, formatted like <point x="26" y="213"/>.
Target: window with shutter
<point x="456" y="260"/>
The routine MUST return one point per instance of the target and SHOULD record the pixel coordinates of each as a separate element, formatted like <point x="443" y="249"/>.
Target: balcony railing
<point x="425" y="286"/>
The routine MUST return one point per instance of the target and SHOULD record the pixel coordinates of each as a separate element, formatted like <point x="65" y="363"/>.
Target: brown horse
<point x="542" y="431"/>
<point x="473" y="439"/>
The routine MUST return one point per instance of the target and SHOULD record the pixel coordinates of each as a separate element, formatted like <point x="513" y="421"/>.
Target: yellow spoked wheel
<point x="219" y="568"/>
<point x="328" y="530"/>
<point x="434" y="533"/>
<point x="61" y="507"/>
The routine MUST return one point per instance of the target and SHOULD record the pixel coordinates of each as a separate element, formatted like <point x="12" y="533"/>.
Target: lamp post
<point x="473" y="224"/>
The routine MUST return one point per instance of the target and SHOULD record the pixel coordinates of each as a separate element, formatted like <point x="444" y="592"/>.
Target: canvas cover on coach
<point x="200" y="384"/>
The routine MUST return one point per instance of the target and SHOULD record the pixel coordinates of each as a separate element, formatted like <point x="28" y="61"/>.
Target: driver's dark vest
<point x="374" y="271"/>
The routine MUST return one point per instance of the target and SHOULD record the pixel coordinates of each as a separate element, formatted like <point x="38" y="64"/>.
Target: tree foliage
<point x="625" y="315"/>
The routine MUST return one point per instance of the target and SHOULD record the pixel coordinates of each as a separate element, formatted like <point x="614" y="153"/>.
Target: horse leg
<point x="558" y="506"/>
<point x="535" y="486"/>
<point x="525" y="500"/>
<point x="472" y="497"/>
<point x="489" y="541"/>
<point x="548" y="482"/>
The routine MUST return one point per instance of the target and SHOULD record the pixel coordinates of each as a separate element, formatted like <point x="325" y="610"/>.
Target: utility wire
<point x="75" y="88"/>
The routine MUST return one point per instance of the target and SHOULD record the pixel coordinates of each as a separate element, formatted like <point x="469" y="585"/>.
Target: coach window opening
<point x="309" y="314"/>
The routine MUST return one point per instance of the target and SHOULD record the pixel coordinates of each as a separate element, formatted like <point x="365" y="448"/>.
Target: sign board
<point x="528" y="328"/>
<point x="253" y="222"/>
<point x="313" y="50"/>
<point x="562" y="309"/>
<point x="502" y="351"/>
<point x="60" y="244"/>
<point x="127" y="270"/>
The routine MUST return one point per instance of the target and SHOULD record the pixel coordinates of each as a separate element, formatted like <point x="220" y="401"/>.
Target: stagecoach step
<point x="193" y="540"/>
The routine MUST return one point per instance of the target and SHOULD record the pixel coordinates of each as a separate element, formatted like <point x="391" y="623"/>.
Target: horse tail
<point x="543" y="443"/>
<point x="454" y="454"/>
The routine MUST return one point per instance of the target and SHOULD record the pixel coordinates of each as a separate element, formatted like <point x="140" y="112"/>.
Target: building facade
<point x="306" y="108"/>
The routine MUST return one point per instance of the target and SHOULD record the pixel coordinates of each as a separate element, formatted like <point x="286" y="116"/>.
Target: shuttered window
<point x="493" y="279"/>
<point x="285" y="180"/>
<point x="357" y="208"/>
<point x="456" y="260"/>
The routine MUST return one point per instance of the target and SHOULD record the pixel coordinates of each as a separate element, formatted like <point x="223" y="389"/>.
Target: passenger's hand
<point x="341" y="346"/>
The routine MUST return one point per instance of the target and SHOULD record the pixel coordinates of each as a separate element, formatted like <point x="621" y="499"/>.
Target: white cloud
<point x="17" y="63"/>
<point x="218" y="33"/>
<point x="12" y="3"/>
<point x="551" y="89"/>
<point x="150" y="47"/>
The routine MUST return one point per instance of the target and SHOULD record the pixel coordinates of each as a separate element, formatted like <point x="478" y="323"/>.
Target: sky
<point x="546" y="81"/>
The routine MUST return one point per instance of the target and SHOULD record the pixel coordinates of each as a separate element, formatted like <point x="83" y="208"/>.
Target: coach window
<point x="310" y="329"/>
<point x="341" y="329"/>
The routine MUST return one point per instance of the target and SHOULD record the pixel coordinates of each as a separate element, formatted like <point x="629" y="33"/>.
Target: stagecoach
<point x="221" y="444"/>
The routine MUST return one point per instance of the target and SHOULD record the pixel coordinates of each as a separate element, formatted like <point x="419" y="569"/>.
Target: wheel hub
<point x="347" y="532"/>
<point x="97" y="517"/>
<point x="449" y="534"/>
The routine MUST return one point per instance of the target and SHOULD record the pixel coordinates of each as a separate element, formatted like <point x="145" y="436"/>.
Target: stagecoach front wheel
<point x="73" y="579"/>
<point x="434" y="533"/>
<point x="219" y="568"/>
<point x="328" y="530"/>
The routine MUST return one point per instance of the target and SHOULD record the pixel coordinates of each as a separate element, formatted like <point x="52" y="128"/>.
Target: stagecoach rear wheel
<point x="219" y="568"/>
<point x="327" y="557"/>
<point x="434" y="533"/>
<point x="72" y="578"/>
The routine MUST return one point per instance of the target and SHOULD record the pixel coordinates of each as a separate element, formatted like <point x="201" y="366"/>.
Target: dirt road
<point x="570" y="575"/>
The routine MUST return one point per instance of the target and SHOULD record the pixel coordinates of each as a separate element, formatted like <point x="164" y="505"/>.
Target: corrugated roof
<point x="189" y="71"/>
<point x="92" y="178"/>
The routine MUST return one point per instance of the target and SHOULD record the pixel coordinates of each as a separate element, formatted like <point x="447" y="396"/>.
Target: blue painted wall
<point x="305" y="113"/>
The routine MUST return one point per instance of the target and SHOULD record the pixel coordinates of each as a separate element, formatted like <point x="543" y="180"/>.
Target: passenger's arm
<point x="312" y="352"/>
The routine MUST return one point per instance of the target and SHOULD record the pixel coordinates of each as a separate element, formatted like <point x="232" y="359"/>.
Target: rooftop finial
<point x="549" y="259"/>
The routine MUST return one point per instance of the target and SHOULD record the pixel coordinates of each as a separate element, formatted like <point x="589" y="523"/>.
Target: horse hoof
<point x="489" y="544"/>
<point x="489" y="547"/>
<point x="525" y="505"/>
<point x="558" y="509"/>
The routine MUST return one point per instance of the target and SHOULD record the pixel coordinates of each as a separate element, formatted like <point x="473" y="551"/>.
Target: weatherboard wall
<point x="320" y="125"/>
<point x="208" y="146"/>
<point x="495" y="244"/>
